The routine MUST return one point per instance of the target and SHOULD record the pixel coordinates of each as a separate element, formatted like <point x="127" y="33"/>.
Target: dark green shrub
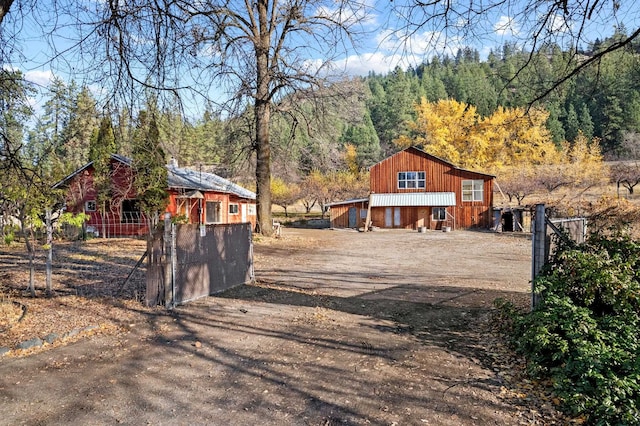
<point x="584" y="333"/>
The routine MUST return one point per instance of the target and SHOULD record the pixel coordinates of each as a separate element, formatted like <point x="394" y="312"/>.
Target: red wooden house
<point x="194" y="197"/>
<point x="413" y="189"/>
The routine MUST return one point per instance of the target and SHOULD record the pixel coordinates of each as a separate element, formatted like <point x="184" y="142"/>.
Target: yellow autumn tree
<point x="335" y="185"/>
<point x="443" y="128"/>
<point x="284" y="194"/>
<point x="512" y="143"/>
<point x="351" y="158"/>
<point x="584" y="162"/>
<point x="455" y="132"/>
<point x="515" y="137"/>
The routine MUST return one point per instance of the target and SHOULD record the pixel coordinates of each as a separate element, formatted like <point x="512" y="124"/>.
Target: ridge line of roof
<point x="437" y="158"/>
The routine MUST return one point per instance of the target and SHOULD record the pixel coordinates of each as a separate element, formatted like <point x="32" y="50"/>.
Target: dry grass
<point x="87" y="277"/>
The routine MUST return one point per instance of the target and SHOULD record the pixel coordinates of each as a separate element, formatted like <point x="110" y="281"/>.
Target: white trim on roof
<point x="414" y="199"/>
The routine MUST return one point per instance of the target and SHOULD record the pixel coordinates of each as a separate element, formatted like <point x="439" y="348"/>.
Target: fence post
<point x="168" y="262"/>
<point x="252" y="270"/>
<point x="539" y="252"/>
<point x="49" y="251"/>
<point x="174" y="265"/>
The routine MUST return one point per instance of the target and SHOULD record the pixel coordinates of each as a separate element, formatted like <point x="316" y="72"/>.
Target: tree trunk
<point x="263" y="169"/>
<point x="103" y="213"/>
<point x="263" y="121"/>
<point x="48" y="285"/>
<point x="31" y="287"/>
<point x="5" y="5"/>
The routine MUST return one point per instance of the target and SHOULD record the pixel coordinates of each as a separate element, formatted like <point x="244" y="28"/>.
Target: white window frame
<point x="90" y="206"/>
<point x="412" y="180"/>
<point x="234" y="208"/>
<point x="132" y="214"/>
<point x="441" y="216"/>
<point x="473" y="190"/>
<point x="213" y="211"/>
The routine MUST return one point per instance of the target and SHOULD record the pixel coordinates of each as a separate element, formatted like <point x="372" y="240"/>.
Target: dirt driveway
<point x="382" y="328"/>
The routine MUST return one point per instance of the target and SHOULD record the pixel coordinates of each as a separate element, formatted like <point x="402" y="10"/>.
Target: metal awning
<point x="414" y="199"/>
<point x="192" y="194"/>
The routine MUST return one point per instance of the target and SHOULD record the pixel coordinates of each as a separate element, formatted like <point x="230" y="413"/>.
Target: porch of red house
<point x="112" y="225"/>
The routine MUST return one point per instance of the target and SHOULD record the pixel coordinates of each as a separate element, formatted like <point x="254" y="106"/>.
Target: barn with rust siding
<point x="413" y="189"/>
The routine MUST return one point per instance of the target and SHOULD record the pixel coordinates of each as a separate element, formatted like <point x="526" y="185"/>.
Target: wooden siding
<point x="339" y="214"/>
<point x="195" y="209"/>
<point x="410" y="218"/>
<point x="440" y="176"/>
<point x="81" y="189"/>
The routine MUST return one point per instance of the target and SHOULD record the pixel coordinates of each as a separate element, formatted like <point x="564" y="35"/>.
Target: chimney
<point x="173" y="162"/>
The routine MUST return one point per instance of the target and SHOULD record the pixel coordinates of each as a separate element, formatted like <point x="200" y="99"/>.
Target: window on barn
<point x="90" y="206"/>
<point x="130" y="211"/>
<point x="473" y="190"/>
<point x="234" y="208"/>
<point x="439" y="213"/>
<point x="411" y="180"/>
<point x="213" y="212"/>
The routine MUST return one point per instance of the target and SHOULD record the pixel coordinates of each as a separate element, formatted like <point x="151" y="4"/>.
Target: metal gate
<point x="542" y="242"/>
<point x="187" y="262"/>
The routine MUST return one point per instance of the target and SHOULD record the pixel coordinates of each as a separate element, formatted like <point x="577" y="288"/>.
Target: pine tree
<point x="149" y="164"/>
<point x="572" y="126"/>
<point x="365" y="140"/>
<point x="586" y="123"/>
<point x="83" y="120"/>
<point x="100" y="150"/>
<point x="555" y="125"/>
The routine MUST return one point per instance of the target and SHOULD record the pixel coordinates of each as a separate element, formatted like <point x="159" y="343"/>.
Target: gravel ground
<point x="383" y="328"/>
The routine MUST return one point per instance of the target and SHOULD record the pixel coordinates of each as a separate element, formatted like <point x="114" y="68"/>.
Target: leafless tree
<point x="518" y="183"/>
<point x="625" y="167"/>
<point x="237" y="52"/>
<point x="240" y="53"/>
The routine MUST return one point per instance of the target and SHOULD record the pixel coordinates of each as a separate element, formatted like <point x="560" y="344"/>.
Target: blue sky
<point x="389" y="41"/>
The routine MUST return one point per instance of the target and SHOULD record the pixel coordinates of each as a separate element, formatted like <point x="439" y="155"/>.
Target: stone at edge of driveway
<point x="31" y="343"/>
<point x="50" y="338"/>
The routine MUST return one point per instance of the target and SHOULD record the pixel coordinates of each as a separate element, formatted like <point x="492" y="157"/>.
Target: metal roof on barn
<point x="181" y="178"/>
<point x="350" y="201"/>
<point x="414" y="199"/>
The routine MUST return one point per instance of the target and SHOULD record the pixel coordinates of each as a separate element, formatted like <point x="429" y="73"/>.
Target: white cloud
<point x="558" y="24"/>
<point x="41" y="78"/>
<point x="361" y="65"/>
<point x="349" y="13"/>
<point x="506" y="26"/>
<point x="398" y="49"/>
